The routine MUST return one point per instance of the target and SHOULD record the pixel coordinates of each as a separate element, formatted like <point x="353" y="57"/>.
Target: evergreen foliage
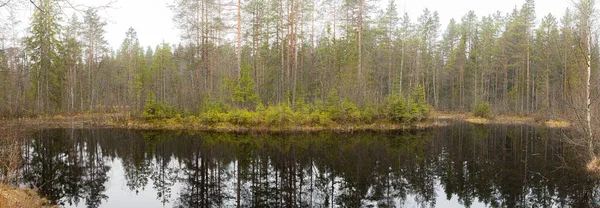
<point x="156" y="111"/>
<point x="351" y="64"/>
<point x="44" y="47"/>
<point x="483" y="110"/>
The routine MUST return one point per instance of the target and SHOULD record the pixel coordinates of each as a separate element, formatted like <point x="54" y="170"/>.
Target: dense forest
<point x="302" y="54"/>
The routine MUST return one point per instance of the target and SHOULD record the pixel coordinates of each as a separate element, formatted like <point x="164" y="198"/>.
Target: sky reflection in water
<point x="455" y="166"/>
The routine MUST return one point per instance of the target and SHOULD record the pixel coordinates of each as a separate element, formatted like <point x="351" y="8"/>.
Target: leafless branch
<point x="5" y="3"/>
<point x="36" y="6"/>
<point x="82" y="7"/>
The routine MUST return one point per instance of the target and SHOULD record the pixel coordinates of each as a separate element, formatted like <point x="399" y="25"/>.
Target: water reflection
<point x="459" y="165"/>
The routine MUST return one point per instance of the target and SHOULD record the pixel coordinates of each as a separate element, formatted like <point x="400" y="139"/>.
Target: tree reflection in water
<point x="497" y="166"/>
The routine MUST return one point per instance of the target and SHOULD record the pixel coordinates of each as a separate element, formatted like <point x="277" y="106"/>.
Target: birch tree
<point x="587" y="17"/>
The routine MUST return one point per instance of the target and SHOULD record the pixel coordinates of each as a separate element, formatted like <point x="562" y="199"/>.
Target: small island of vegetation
<point x="248" y="114"/>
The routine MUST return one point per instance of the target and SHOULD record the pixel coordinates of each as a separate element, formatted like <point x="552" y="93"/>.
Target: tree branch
<point x="5" y="3"/>
<point x="36" y="6"/>
<point x="82" y="7"/>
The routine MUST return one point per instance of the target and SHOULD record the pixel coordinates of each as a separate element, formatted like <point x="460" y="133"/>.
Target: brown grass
<point x="478" y="120"/>
<point x="438" y="118"/>
<point x="122" y="120"/>
<point x="10" y="163"/>
<point x="10" y="155"/>
<point x="593" y="166"/>
<point x="558" y="124"/>
<point x="221" y="127"/>
<point x="61" y="121"/>
<point x="21" y="198"/>
<point x="502" y="119"/>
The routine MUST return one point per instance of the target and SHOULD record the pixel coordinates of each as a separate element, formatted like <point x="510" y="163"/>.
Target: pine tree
<point x="243" y="91"/>
<point x="95" y="48"/>
<point x="44" y="46"/>
<point x="162" y="65"/>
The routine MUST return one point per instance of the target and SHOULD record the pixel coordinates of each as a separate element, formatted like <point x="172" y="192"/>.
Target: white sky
<point x="152" y="19"/>
<point x="448" y="9"/>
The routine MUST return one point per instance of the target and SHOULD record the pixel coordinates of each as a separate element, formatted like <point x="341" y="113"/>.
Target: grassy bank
<point x="21" y="198"/>
<point x="333" y="115"/>
<point x="501" y="119"/>
<point x="282" y="118"/>
<point x="254" y="121"/>
<point x="10" y="163"/>
<point x="194" y="123"/>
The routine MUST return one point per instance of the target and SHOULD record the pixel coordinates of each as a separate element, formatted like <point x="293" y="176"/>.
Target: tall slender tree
<point x="587" y="20"/>
<point x="43" y="45"/>
<point x="95" y="49"/>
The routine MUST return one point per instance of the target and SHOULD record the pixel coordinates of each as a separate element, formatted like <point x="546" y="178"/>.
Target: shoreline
<point x="22" y="198"/>
<point x="122" y="120"/>
<point x="13" y="196"/>
<point x="502" y="119"/>
<point x="229" y="128"/>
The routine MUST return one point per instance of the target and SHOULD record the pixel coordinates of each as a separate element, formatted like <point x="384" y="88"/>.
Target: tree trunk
<point x="282" y="75"/>
<point x="401" y="67"/>
<point x="547" y="81"/>
<point x="294" y="51"/>
<point x="360" y="72"/>
<point x="527" y="89"/>
<point x="390" y="51"/>
<point x="588" y="103"/>
<point x="239" y="40"/>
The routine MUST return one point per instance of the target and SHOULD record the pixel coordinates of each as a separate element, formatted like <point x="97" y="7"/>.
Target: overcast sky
<point x="152" y="19"/>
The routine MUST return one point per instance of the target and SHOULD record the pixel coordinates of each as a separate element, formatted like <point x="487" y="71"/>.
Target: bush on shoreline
<point x="334" y="111"/>
<point x="483" y="110"/>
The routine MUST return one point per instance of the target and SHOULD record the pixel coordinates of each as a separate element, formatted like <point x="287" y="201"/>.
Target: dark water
<point x="462" y="165"/>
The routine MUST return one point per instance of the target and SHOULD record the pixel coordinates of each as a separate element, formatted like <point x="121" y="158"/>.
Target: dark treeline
<point x="295" y="52"/>
<point x="500" y="166"/>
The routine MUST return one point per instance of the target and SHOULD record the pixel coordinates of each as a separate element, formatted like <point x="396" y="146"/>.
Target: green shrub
<point x="244" y="95"/>
<point x="350" y="113"/>
<point x="401" y="111"/>
<point x="260" y="108"/>
<point x="369" y="114"/>
<point x="243" y="117"/>
<point x="213" y="117"/>
<point x="157" y="111"/>
<point x="303" y="107"/>
<point x="320" y="118"/>
<point x="210" y="105"/>
<point x="420" y="109"/>
<point x="415" y="112"/>
<point x="280" y="114"/>
<point x="398" y="109"/>
<point x="483" y="110"/>
<point x="333" y="105"/>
